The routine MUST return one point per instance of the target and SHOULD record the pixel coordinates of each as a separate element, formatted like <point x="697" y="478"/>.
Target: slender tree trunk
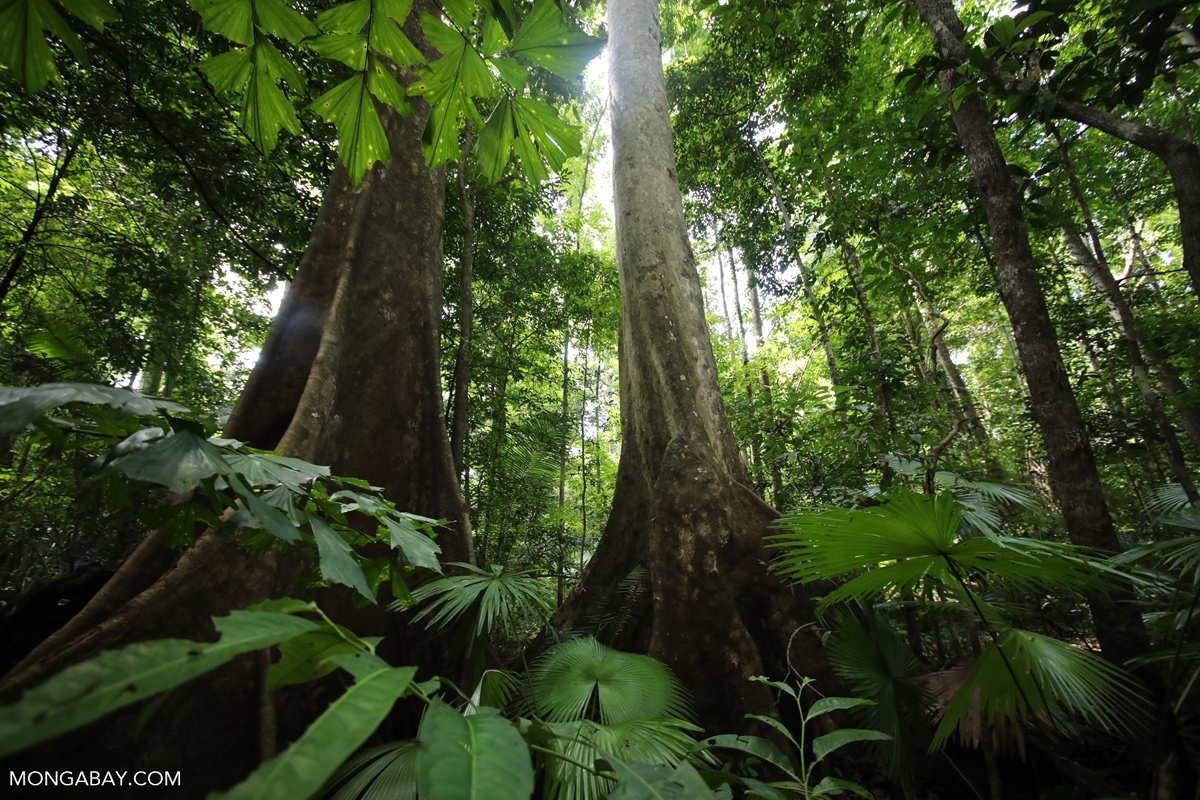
<point x="805" y="279"/>
<point x="13" y="268"/>
<point x="562" y="466"/>
<point x="340" y="383"/>
<point x="1071" y="463"/>
<point x="466" y="310"/>
<point x="755" y="457"/>
<point x="764" y="383"/>
<point x="682" y="509"/>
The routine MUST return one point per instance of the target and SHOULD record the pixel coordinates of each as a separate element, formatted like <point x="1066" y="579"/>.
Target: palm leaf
<point x="492" y="597"/>
<point x="657" y="740"/>
<point x="1166" y="499"/>
<point x="384" y="772"/>
<point x="1023" y="675"/>
<point x="582" y="679"/>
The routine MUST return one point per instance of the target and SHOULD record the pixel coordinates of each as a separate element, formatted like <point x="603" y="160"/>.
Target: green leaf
<point x="21" y="406"/>
<point x="85" y="692"/>
<point x="479" y="757"/>
<point x="266" y="469"/>
<point x="230" y="71"/>
<point x="388" y="39"/>
<point x="751" y="745"/>
<point x="556" y="140"/>
<point x="450" y="85"/>
<point x="417" y="548"/>
<point x="511" y="72"/>
<point x="824" y="745"/>
<point x="656" y="782"/>
<point x="94" y="12"/>
<point x="280" y="19"/>
<point x="306" y="657"/>
<point x="651" y="740"/>
<point x="832" y="785"/>
<point x="23" y="46"/>
<point x="304" y="767"/>
<point x="337" y="563"/>
<point x="460" y="12"/>
<point x="361" y="140"/>
<point x="495" y="141"/>
<point x="233" y="19"/>
<point x="384" y="86"/>
<point x="827" y="704"/>
<point x="260" y="515"/>
<point x="553" y="43"/>
<point x="345" y="18"/>
<point x="572" y="675"/>
<point x="348" y="48"/>
<point x="265" y="110"/>
<point x="179" y="461"/>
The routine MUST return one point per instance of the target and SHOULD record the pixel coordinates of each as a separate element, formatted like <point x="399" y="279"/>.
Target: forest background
<point x="852" y="279"/>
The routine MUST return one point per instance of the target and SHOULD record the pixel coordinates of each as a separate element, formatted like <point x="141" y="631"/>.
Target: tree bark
<point x="1071" y="463"/>
<point x="349" y="377"/>
<point x="682" y="508"/>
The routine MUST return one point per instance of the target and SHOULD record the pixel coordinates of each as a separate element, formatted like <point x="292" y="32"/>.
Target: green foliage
<point x="913" y="543"/>
<point x="471" y="757"/>
<point x="491" y="598"/>
<point x="289" y="500"/>
<point x="800" y="783"/>
<point x="84" y="692"/>
<point x="23" y="47"/>
<point x="583" y="679"/>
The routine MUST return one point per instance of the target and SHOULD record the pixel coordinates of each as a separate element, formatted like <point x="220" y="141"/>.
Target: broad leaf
<point x="751" y="745"/>
<point x="480" y="757"/>
<point x="85" y="692"/>
<point x="824" y="745"/>
<point x="304" y="767"/>
<point x="337" y="563"/>
<point x="21" y="406"/>
<point x="554" y="43"/>
<point x="656" y="782"/>
<point x="179" y="461"/>
<point x="450" y="84"/>
<point x="417" y="549"/>
<point x="361" y="140"/>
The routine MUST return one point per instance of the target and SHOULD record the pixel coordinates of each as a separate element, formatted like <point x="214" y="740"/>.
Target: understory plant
<point x="917" y="546"/>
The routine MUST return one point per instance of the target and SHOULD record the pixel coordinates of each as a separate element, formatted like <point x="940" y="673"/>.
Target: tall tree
<point x="1071" y="462"/>
<point x="683" y="509"/>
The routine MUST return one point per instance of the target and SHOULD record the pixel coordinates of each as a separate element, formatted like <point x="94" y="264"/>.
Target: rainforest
<point x="510" y="399"/>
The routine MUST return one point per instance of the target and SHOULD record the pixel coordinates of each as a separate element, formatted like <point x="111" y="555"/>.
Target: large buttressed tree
<point x="349" y="377"/>
<point x="684" y="514"/>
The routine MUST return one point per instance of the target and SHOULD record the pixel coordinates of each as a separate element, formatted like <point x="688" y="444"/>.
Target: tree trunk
<point x="682" y="508"/>
<point x="466" y="310"/>
<point x="349" y="377"/>
<point x="1071" y="463"/>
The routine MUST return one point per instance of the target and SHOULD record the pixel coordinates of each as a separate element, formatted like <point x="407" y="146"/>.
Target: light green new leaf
<point x="417" y="548"/>
<point x="84" y="692"/>
<point x="554" y="43"/>
<point x="361" y="140"/>
<point x="337" y="563"/>
<point x="827" y="704"/>
<point x="304" y="767"/>
<point x="20" y="406"/>
<point x="480" y="757"/>
<point x="824" y="745"/>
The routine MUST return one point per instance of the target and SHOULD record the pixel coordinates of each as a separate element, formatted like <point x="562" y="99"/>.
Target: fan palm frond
<point x="915" y="539"/>
<point x="583" y="679"/>
<point x="1166" y="499"/>
<point x="493" y="596"/>
<point x="1024" y="675"/>
<point x="876" y="663"/>
<point x="387" y="772"/>
<point x="656" y="740"/>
